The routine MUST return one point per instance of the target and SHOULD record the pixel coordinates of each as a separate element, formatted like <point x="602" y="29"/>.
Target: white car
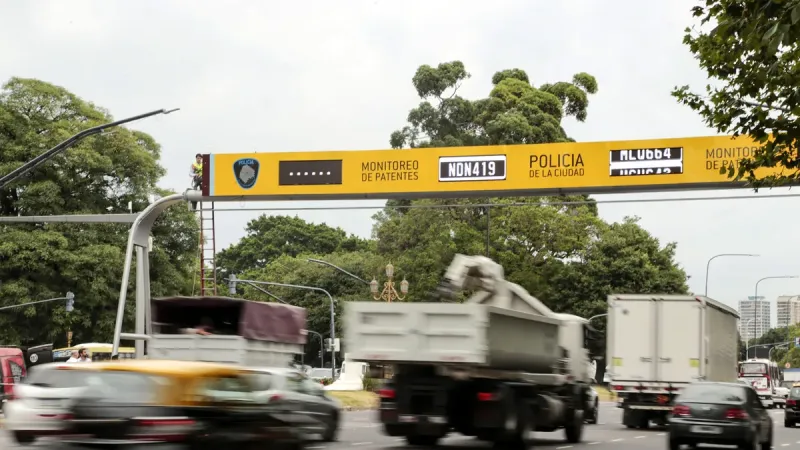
<point x="40" y="404"/>
<point x="781" y="394"/>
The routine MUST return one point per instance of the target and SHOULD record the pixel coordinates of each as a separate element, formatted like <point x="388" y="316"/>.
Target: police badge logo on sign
<point x="245" y="171"/>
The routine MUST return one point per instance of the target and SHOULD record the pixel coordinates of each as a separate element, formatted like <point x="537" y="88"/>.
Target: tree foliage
<point x="270" y="237"/>
<point x="515" y="112"/>
<point x="99" y="175"/>
<point x="750" y="50"/>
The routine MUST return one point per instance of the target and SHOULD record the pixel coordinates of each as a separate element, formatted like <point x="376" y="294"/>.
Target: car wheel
<point x="332" y="430"/>
<point x="767" y="445"/>
<point x="674" y="444"/>
<point x="24" y="438"/>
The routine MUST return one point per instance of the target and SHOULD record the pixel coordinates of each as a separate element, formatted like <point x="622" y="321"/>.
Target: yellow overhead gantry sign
<point x="504" y="170"/>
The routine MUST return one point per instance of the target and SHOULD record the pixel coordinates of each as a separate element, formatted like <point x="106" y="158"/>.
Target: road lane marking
<point x="316" y="447"/>
<point x="565" y="446"/>
<point x="617" y="440"/>
<point x="595" y="443"/>
<point x="639" y="437"/>
<point x="784" y="445"/>
<point x="360" y="443"/>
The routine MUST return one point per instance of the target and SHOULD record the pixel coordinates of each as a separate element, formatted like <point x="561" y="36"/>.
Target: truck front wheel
<point x="573" y="428"/>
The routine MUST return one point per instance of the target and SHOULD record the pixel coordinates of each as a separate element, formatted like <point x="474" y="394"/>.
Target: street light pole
<point x="334" y="266"/>
<point x="389" y="292"/>
<point x="70" y="298"/>
<point x="49" y="154"/>
<point x="708" y="264"/>
<point x="233" y="280"/>
<point x="756" y="304"/>
<point x="747" y="340"/>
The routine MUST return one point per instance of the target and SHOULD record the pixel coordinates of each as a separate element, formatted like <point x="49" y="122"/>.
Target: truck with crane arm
<point x="499" y="366"/>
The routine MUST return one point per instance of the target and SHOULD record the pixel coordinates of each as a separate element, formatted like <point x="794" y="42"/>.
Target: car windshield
<point x="124" y="387"/>
<point x="49" y="377"/>
<point x="320" y="373"/>
<point x="712" y="393"/>
<point x="795" y="392"/>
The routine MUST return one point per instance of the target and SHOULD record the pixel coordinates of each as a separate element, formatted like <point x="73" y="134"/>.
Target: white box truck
<point x="657" y="344"/>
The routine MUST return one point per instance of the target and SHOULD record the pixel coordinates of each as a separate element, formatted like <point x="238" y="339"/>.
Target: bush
<point x="372" y="384"/>
<point x="326" y="381"/>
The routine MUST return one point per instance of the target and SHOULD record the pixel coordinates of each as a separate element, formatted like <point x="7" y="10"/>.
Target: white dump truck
<point x="657" y="344"/>
<point x="498" y="367"/>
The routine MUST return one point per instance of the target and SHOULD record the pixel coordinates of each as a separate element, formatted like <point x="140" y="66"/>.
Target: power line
<point x="516" y="204"/>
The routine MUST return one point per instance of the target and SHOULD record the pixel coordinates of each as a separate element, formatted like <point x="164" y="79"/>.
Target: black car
<point x="791" y="413"/>
<point x="173" y="405"/>
<point x="720" y="413"/>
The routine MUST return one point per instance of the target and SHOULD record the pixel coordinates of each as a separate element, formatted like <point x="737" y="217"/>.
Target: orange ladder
<point x="208" y="251"/>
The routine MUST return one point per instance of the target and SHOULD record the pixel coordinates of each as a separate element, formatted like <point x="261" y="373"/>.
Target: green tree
<point x="624" y="259"/>
<point x="270" y="237"/>
<point x="523" y="239"/>
<point x="750" y="49"/>
<point x="515" y="112"/>
<point x="98" y="175"/>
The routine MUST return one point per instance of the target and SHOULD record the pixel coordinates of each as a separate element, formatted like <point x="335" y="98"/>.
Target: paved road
<point x="361" y="432"/>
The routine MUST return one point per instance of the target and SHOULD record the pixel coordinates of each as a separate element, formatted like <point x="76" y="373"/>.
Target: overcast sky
<point x="320" y="75"/>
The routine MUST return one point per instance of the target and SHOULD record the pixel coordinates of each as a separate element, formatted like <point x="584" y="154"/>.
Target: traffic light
<point x="232" y="284"/>
<point x="319" y="355"/>
<point x="70" y="301"/>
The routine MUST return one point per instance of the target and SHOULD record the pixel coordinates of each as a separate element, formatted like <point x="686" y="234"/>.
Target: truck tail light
<point x="485" y="396"/>
<point x="387" y="394"/>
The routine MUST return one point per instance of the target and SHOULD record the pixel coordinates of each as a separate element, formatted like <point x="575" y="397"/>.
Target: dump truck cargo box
<point x="451" y="333"/>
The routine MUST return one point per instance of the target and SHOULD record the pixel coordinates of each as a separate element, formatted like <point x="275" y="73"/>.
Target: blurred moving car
<point x="298" y="399"/>
<point x="175" y="403"/>
<point x="41" y="403"/>
<point x="319" y="374"/>
<point x="12" y="371"/>
<point x="720" y="413"/>
<point x="780" y="397"/>
<point x="791" y="413"/>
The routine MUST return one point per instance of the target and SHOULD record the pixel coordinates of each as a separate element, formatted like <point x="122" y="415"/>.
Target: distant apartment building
<point x="754" y="317"/>
<point x="788" y="310"/>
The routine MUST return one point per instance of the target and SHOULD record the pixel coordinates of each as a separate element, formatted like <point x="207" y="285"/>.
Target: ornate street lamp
<point x="389" y="293"/>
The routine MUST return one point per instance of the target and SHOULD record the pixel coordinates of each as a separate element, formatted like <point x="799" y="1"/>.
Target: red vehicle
<point x="12" y="370"/>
